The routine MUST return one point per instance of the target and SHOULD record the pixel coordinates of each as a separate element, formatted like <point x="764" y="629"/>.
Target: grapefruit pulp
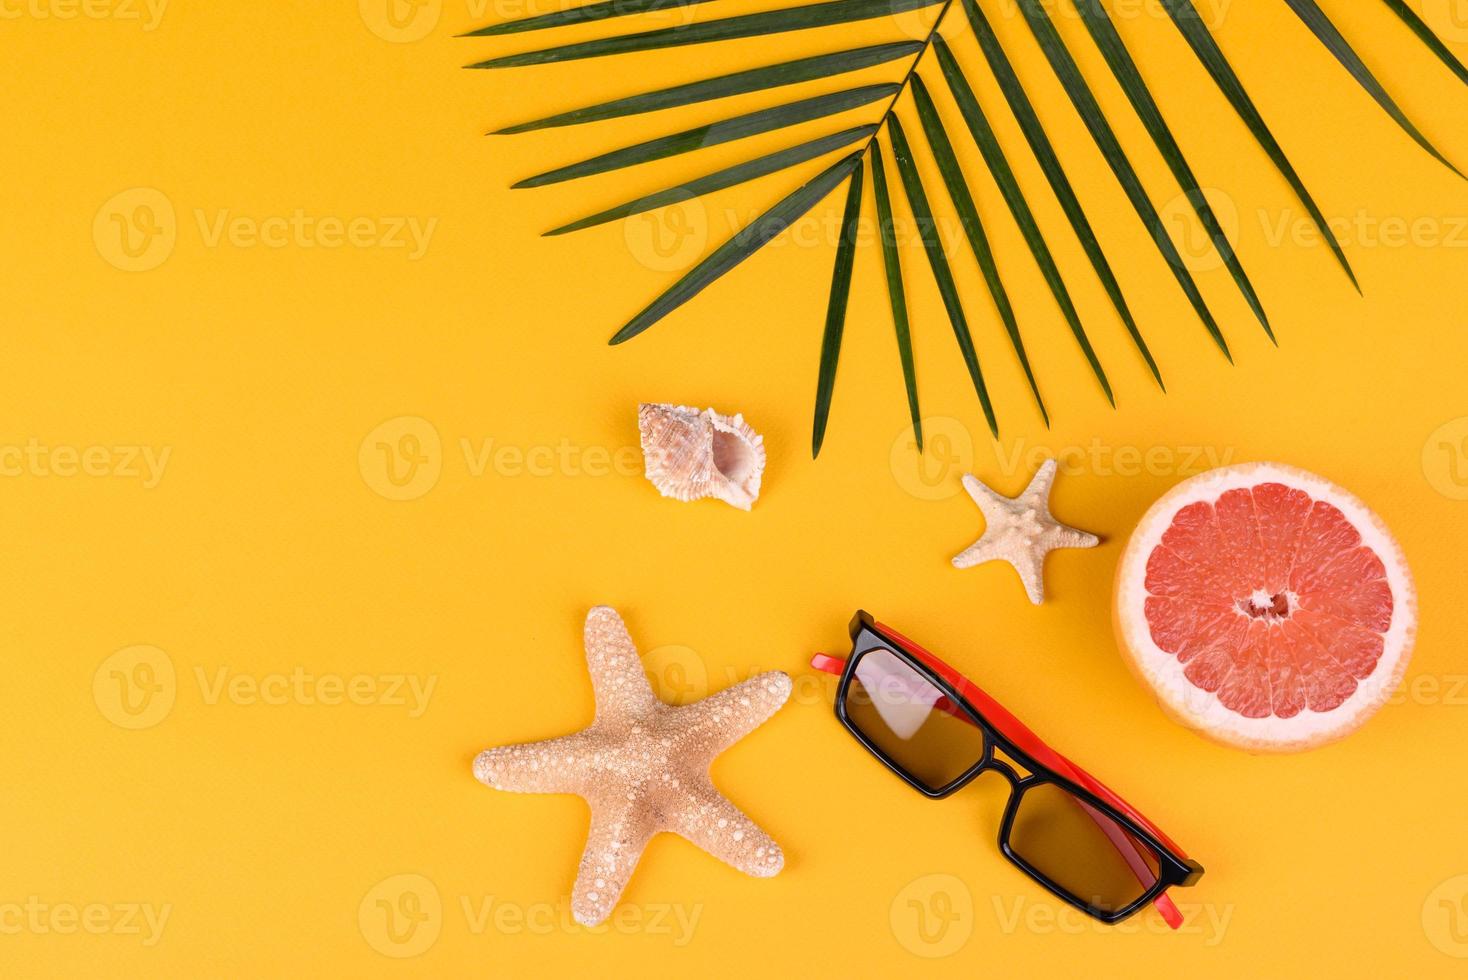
<point x="1266" y="607"/>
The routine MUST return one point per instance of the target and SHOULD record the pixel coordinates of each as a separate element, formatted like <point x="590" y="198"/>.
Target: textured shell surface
<point x="691" y="454"/>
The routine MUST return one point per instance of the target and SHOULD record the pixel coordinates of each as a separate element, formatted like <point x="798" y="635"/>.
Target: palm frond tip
<point x="852" y="169"/>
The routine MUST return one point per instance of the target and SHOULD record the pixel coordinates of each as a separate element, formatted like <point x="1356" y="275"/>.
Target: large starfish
<point x="1020" y="530"/>
<point x="643" y="766"/>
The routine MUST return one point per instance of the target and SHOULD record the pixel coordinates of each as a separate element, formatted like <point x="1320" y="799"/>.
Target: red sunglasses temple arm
<point x="1119" y="840"/>
<point x="1132" y="855"/>
<point x="828" y="663"/>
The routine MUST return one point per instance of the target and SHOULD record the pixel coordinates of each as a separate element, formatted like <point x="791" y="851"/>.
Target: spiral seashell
<point x="690" y="454"/>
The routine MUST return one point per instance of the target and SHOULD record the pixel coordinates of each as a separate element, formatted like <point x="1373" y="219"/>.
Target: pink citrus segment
<point x="1266" y="606"/>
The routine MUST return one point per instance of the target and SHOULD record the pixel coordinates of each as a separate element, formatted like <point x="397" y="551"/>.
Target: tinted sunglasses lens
<point x="1080" y="849"/>
<point x="910" y="720"/>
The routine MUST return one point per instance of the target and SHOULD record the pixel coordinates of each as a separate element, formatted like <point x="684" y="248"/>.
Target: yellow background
<point x="265" y="549"/>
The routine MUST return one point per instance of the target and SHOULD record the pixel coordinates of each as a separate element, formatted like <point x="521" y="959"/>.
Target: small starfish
<point x="643" y="766"/>
<point x="1020" y="530"/>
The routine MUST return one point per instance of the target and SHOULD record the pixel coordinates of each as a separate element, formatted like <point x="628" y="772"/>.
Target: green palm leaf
<point x="988" y="143"/>
<point x="602" y="10"/>
<point x="749" y="240"/>
<point x="892" y="264"/>
<point x="973" y="229"/>
<point x="1105" y="138"/>
<point x="728" y="177"/>
<point x="738" y="83"/>
<point x="1191" y="26"/>
<point x="1044" y="152"/>
<point x="1320" y="25"/>
<point x="836" y="310"/>
<point x="720" y="132"/>
<point x="830" y="14"/>
<point x="1425" y="34"/>
<point x="1103" y="32"/>
<point x="745" y="25"/>
<point x="922" y="212"/>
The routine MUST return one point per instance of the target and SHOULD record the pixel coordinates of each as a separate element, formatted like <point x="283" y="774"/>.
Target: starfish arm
<point x="1062" y="536"/>
<point x="1021" y="531"/>
<point x="975" y="554"/>
<point x="620" y="830"/>
<point x="987" y="499"/>
<point x="1031" y="568"/>
<point x="617" y="678"/>
<point x="556" y="765"/>
<point x="722" y="829"/>
<point x="1043" y="482"/>
<point x="720" y="720"/>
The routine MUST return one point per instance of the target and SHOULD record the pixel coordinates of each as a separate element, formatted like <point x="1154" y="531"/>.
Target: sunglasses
<point x="936" y="729"/>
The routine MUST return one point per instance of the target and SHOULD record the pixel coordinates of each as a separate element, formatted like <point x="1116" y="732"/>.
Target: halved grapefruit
<point x="1266" y="607"/>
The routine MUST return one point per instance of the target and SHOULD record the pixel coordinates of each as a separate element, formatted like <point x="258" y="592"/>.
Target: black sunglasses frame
<point x="1172" y="870"/>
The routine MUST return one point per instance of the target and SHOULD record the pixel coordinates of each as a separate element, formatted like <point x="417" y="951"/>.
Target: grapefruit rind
<point x="1201" y="710"/>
